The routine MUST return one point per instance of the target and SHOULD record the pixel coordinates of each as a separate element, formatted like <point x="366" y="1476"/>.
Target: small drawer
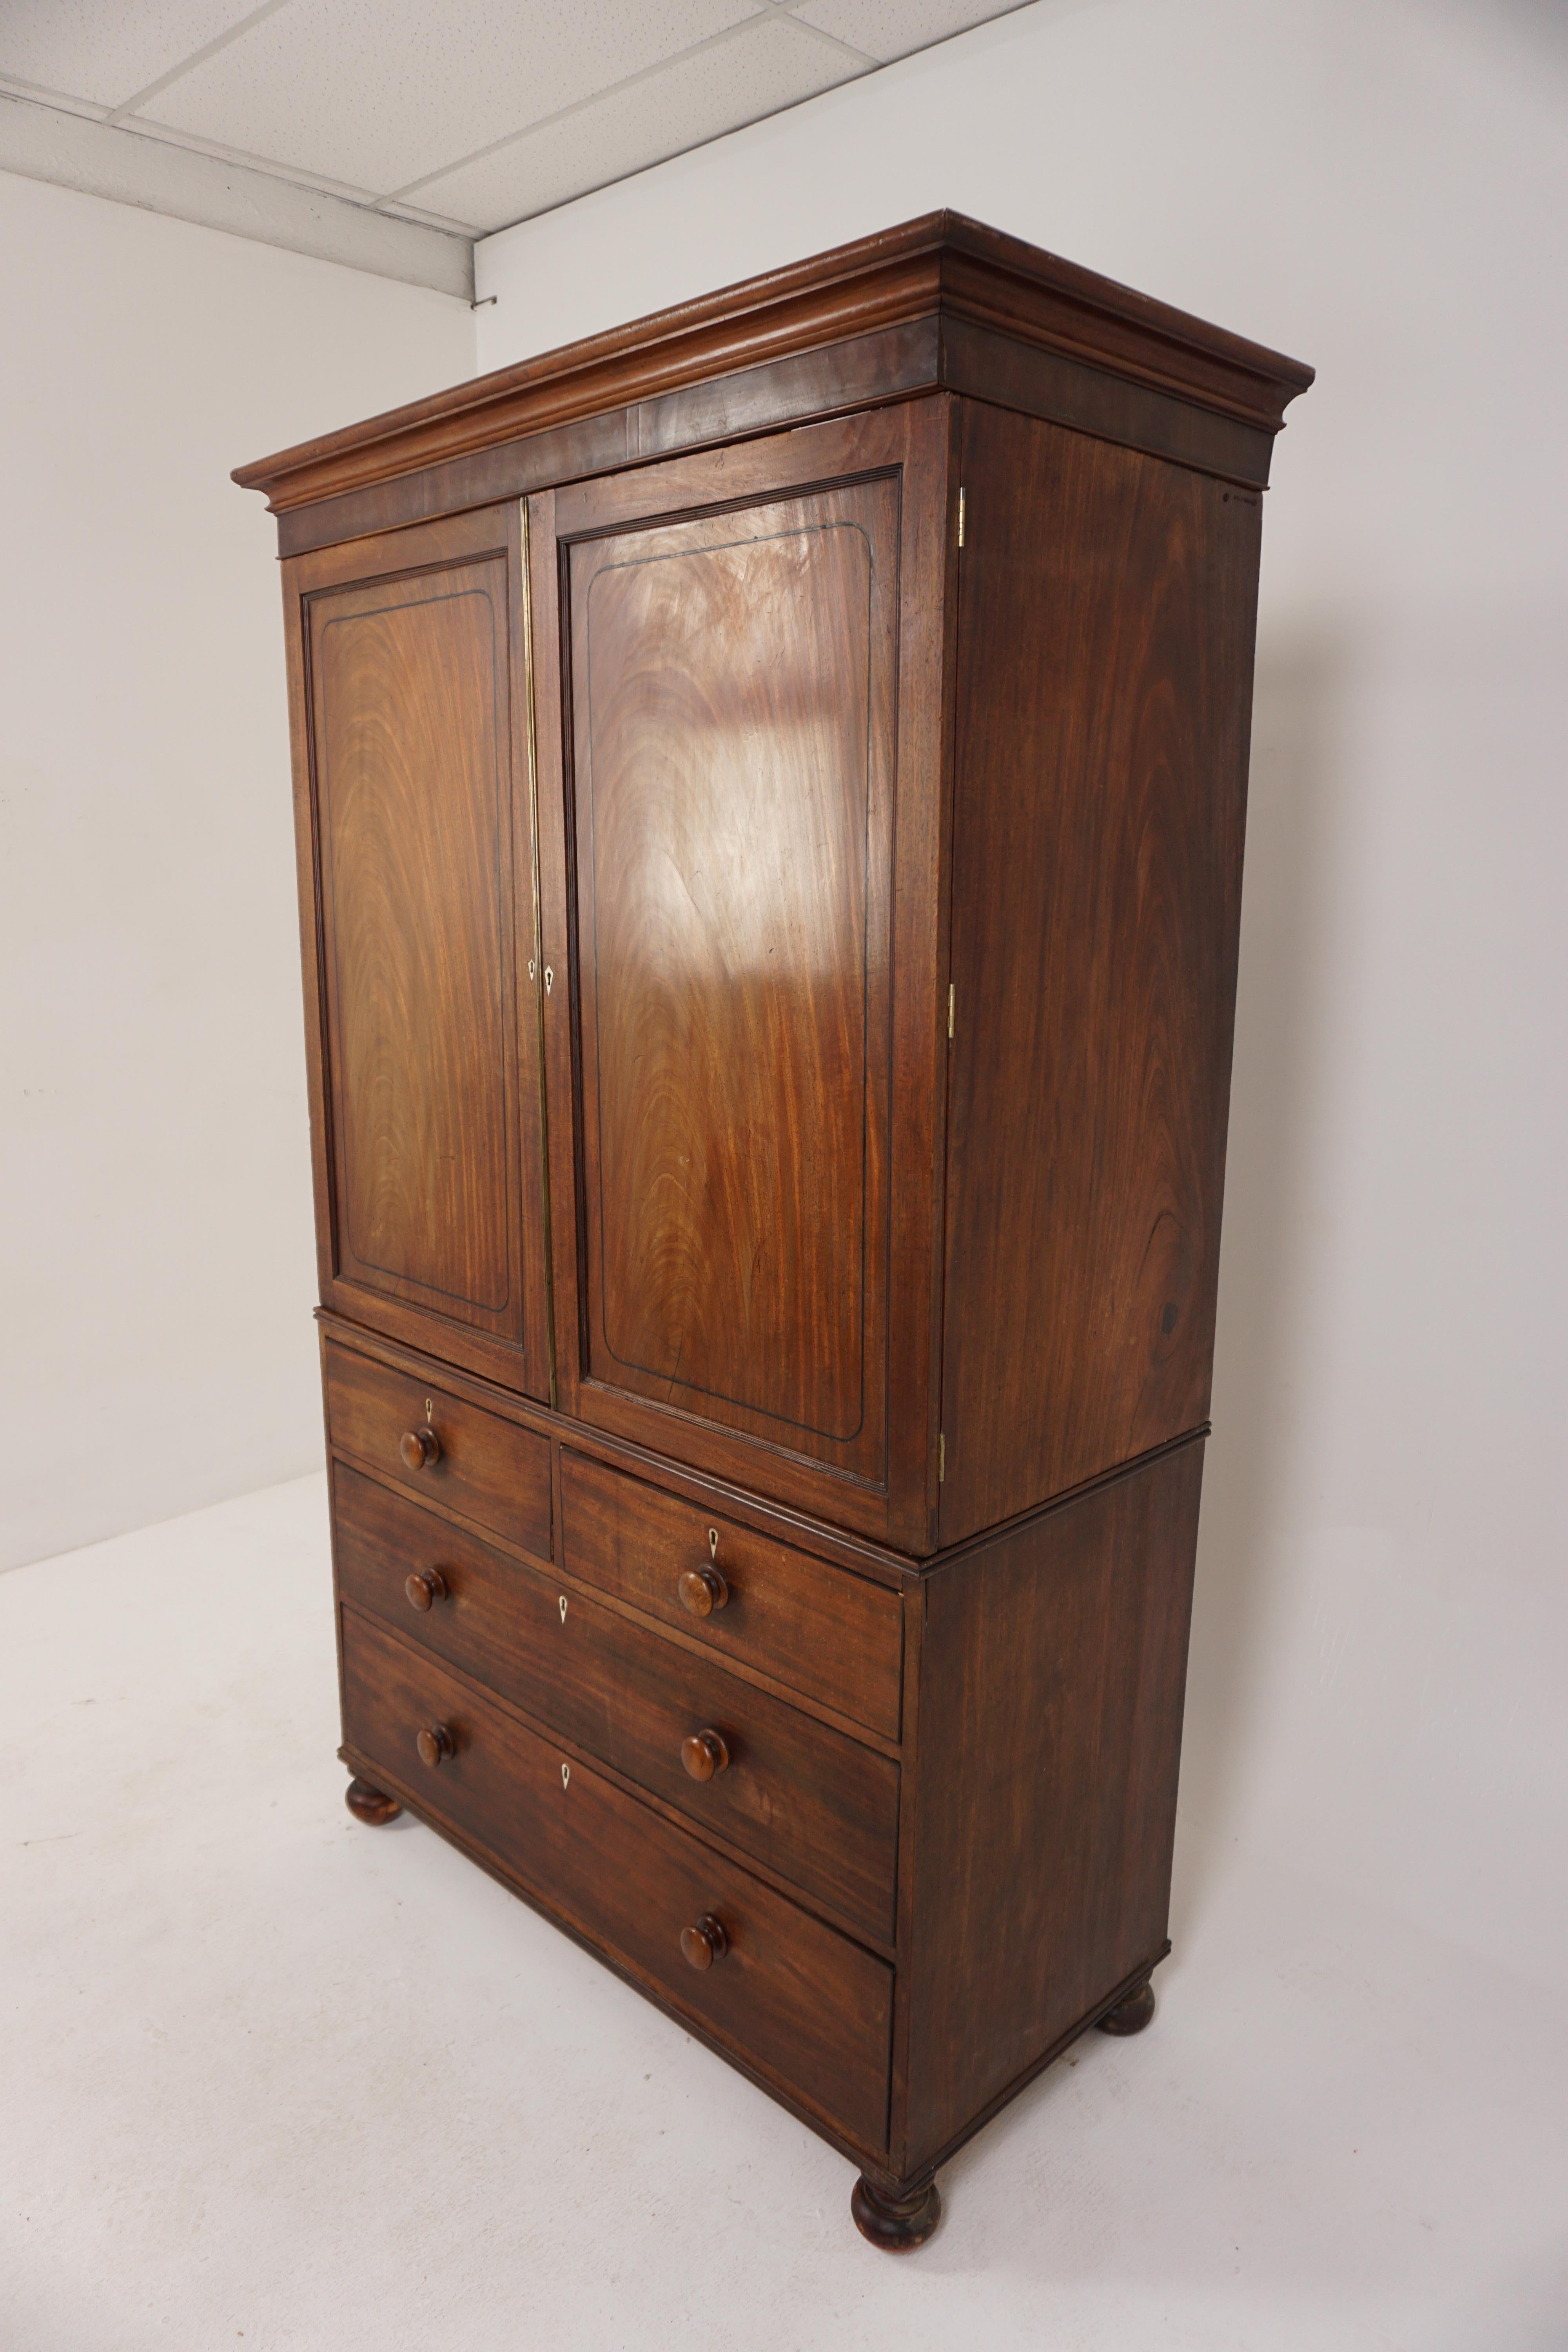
<point x="788" y="1792"/>
<point x="455" y="1455"/>
<point x="795" y="1999"/>
<point x="838" y="1637"/>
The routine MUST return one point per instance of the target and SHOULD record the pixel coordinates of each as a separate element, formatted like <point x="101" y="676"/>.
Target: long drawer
<point x="460" y="1456"/>
<point x="811" y="1803"/>
<point x="802" y="2003"/>
<point x="838" y="1637"/>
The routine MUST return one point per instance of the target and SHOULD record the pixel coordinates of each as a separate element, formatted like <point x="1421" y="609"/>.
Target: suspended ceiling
<point x="391" y="133"/>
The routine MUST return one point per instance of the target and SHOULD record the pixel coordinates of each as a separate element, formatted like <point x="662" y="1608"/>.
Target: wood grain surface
<point x="413" y="811"/>
<point x="409" y="705"/>
<point x="1106" y="609"/>
<point x="796" y="1997"/>
<point x="941" y="268"/>
<point x="834" y="1635"/>
<point x="732" y="681"/>
<point x="757" y="1263"/>
<point x="817" y="1808"/>
<point x="1053" y="1674"/>
<point x="486" y="1469"/>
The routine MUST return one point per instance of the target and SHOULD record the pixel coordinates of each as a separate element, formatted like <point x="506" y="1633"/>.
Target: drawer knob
<point x="701" y="1590"/>
<point x="703" y="1753"/>
<point x="435" y="1744"/>
<point x="420" y="1448"/>
<point x="425" y="1588"/>
<point x="704" y="1943"/>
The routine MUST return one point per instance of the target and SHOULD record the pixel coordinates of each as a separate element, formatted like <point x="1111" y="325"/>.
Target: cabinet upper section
<point x="940" y="302"/>
<point x="770" y="788"/>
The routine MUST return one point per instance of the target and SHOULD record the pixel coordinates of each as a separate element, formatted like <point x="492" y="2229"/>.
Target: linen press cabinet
<point x="770" y="788"/>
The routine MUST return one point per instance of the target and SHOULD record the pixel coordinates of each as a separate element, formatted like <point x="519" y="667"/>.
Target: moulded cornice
<point x="943" y="266"/>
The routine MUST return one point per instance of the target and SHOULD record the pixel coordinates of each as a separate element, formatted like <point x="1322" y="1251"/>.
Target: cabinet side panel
<point x="1053" y="1672"/>
<point x="1107" y="605"/>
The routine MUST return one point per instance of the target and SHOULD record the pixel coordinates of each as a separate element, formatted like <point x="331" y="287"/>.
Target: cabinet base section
<point x="368" y="1804"/>
<point x="891" y="2215"/>
<point x="895" y="2225"/>
<point x="808" y="2005"/>
<point x="862" y="2150"/>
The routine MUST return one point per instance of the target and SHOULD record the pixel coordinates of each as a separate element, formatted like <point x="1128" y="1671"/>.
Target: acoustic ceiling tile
<point x="893" y="28"/>
<point x="382" y="93"/>
<point x="106" y="54"/>
<point x="769" y="65"/>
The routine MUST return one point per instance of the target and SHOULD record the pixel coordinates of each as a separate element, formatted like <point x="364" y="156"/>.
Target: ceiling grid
<point x="436" y="124"/>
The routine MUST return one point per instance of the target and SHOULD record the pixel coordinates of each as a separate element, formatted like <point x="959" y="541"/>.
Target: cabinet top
<point x="943" y="270"/>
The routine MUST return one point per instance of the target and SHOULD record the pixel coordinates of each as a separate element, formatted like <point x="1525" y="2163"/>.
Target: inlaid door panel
<point x="415" y="726"/>
<point x="737" y="762"/>
<point x="732" y="682"/>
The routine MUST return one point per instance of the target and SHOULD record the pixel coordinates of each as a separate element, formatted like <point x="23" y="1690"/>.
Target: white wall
<point x="156" y="1265"/>
<point x="1380" y="1645"/>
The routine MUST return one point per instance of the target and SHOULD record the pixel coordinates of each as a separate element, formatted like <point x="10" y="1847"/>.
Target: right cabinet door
<point x="734" y="785"/>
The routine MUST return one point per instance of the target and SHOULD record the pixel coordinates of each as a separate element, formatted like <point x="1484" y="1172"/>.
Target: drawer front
<point x="800" y="2001"/>
<point x="805" y="1799"/>
<point x="838" y="1637"/>
<point x="489" y="1469"/>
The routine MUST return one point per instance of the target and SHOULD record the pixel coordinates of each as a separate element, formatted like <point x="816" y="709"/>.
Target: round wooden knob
<point x="425" y="1588"/>
<point x="420" y="1448"/>
<point x="703" y="1753"/>
<point x="703" y="1943"/>
<point x="701" y="1590"/>
<point x="435" y="1744"/>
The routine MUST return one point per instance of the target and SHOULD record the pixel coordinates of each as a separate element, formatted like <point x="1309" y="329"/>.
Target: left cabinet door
<point x="410" y="707"/>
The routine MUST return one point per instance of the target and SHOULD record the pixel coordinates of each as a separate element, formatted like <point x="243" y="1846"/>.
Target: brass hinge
<point x="941" y="1457"/>
<point x="949" y="1008"/>
<point x="961" y="517"/>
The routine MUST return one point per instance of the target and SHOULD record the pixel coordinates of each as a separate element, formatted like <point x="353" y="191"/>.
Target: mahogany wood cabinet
<point x="770" y="788"/>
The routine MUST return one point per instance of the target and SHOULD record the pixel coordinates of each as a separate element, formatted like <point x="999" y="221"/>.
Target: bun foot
<point x="896" y="2224"/>
<point x="371" y="1805"/>
<point x="1131" y="2015"/>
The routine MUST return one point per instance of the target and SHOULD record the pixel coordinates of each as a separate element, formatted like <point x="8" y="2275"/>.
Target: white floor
<point x="267" y="2076"/>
